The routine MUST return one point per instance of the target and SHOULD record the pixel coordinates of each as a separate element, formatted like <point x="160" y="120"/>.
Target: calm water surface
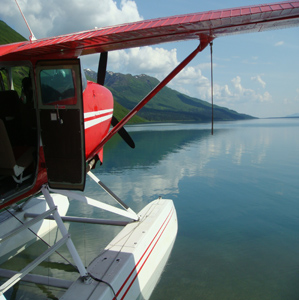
<point x="236" y="195"/>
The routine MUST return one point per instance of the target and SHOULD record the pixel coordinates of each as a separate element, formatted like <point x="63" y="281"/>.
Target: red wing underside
<point x="183" y="27"/>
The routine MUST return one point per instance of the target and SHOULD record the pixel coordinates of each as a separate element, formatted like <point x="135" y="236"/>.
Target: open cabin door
<point x="62" y="122"/>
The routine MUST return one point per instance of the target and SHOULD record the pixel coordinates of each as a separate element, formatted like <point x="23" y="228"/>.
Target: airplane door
<point x="62" y="122"/>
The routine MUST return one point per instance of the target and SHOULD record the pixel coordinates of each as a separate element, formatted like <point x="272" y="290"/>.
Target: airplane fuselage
<point x="50" y="110"/>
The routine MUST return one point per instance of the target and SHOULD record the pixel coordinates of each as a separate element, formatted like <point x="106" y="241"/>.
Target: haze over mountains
<point x="293" y="116"/>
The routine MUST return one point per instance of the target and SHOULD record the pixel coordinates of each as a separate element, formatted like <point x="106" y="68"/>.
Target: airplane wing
<point x="200" y="26"/>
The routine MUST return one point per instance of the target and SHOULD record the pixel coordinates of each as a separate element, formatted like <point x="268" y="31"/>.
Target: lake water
<point x="237" y="199"/>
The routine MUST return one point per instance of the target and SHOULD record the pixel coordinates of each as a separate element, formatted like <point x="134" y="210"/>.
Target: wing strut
<point x="203" y="43"/>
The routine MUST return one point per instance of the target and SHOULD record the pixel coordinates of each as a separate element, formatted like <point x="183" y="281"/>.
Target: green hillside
<point x="8" y="35"/>
<point x="168" y="104"/>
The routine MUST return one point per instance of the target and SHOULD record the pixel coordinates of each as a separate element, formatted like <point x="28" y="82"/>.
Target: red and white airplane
<point x="54" y="124"/>
<point x="69" y="118"/>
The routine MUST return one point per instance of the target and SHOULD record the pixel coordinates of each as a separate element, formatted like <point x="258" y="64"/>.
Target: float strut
<point x="108" y="191"/>
<point x="82" y="270"/>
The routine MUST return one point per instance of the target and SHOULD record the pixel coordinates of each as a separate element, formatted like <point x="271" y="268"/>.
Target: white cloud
<point x="192" y="82"/>
<point x="279" y="43"/>
<point x="158" y="62"/>
<point x="149" y="60"/>
<point x="246" y="94"/>
<point x="53" y="17"/>
<point x="222" y="92"/>
<point x="234" y="94"/>
<point x="265" y="97"/>
<point x="259" y="80"/>
<point x="237" y="85"/>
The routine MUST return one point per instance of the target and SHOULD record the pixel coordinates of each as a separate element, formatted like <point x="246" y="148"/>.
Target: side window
<point x="58" y="87"/>
<point x="18" y="77"/>
<point x="4" y="82"/>
<point x="13" y="77"/>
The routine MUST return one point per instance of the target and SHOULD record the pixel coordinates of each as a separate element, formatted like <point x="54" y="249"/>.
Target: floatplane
<point x="54" y="125"/>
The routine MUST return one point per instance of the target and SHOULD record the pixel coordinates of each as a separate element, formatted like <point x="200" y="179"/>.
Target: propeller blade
<point x="101" y="80"/>
<point x="123" y="133"/>
<point x="102" y="68"/>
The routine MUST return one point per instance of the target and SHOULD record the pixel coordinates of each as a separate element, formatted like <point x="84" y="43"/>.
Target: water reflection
<point x="162" y="158"/>
<point x="155" y="167"/>
<point x="236" y="195"/>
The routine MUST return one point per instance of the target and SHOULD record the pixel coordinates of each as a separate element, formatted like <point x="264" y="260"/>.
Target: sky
<point x="256" y="73"/>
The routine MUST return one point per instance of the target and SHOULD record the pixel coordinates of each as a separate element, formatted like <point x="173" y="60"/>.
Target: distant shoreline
<point x="295" y="117"/>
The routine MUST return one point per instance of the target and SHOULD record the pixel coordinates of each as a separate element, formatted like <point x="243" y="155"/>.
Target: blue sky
<point x="257" y="73"/>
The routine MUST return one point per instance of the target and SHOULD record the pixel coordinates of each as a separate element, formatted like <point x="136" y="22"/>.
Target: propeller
<point x="101" y="80"/>
<point x="102" y="68"/>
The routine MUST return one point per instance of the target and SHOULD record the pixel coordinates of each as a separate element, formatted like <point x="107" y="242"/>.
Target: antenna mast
<point x="212" y="88"/>
<point x="31" y="37"/>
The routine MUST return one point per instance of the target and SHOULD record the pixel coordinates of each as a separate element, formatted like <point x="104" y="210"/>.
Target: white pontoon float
<point x="128" y="268"/>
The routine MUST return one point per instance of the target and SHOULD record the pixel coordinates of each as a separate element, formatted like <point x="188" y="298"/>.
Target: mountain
<point x="167" y="106"/>
<point x="8" y="35"/>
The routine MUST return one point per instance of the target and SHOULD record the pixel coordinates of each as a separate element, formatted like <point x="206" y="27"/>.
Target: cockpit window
<point x="57" y="87"/>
